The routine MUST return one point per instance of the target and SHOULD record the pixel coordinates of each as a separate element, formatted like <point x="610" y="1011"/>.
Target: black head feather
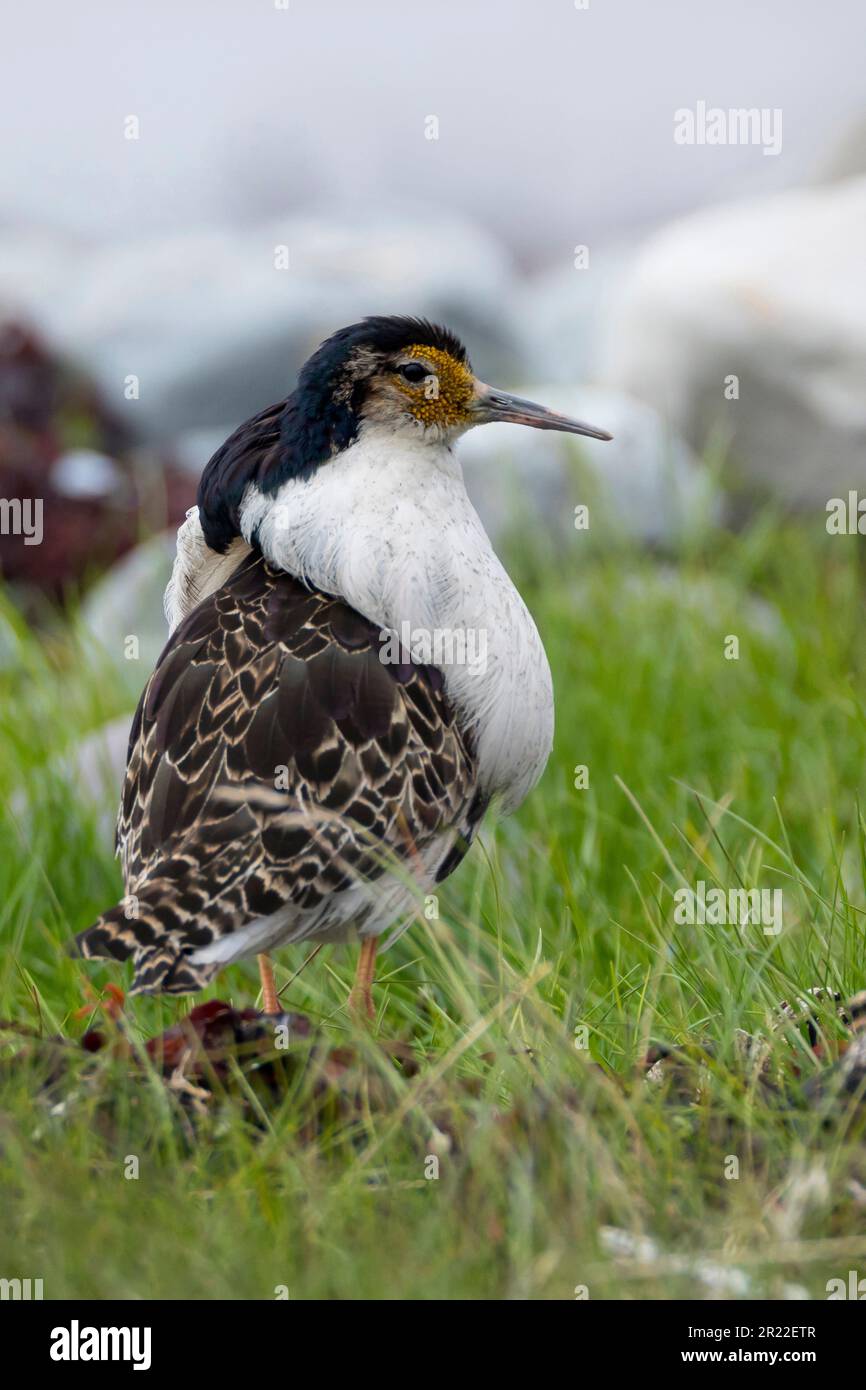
<point x="384" y="333"/>
<point x="320" y="418"/>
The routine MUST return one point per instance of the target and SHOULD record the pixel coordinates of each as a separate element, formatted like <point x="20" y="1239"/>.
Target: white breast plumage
<point x="390" y="529"/>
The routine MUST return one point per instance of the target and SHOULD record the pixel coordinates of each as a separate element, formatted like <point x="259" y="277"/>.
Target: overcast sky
<point x="555" y="124"/>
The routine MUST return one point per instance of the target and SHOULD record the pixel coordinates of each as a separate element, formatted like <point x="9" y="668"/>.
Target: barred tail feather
<point x="161" y="963"/>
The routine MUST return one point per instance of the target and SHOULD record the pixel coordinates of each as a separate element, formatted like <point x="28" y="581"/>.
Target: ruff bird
<point x="320" y="738"/>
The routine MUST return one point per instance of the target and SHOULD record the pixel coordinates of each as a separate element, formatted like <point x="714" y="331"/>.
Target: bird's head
<point x="409" y="376"/>
<point x="400" y="377"/>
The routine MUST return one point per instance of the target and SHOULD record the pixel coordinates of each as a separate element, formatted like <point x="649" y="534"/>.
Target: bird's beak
<point x="491" y="405"/>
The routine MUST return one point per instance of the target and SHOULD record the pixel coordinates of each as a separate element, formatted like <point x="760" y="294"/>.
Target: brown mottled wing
<point x="274" y="760"/>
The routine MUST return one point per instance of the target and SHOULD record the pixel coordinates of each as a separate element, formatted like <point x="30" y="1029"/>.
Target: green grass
<point x="731" y="771"/>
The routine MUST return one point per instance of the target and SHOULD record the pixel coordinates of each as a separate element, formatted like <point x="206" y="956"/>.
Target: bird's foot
<point x="111" y="1000"/>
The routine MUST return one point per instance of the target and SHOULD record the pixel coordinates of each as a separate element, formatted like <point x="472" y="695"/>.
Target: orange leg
<point x="270" y="1000"/>
<point x="361" y="997"/>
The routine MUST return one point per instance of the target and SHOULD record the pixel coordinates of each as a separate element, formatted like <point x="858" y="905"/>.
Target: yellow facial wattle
<point x="445" y="398"/>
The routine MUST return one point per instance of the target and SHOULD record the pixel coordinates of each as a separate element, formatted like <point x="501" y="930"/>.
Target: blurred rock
<point x="846" y="157"/>
<point x="772" y="292"/>
<point x="562" y="310"/>
<point x="213" y="331"/>
<point x="95" y="768"/>
<point x="76" y="494"/>
<point x="85" y="473"/>
<point x="644" y="484"/>
<point x="123" y="610"/>
<point x="194" y="448"/>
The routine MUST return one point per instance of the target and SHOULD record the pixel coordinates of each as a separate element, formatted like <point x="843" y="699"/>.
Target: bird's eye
<point x="414" y="371"/>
